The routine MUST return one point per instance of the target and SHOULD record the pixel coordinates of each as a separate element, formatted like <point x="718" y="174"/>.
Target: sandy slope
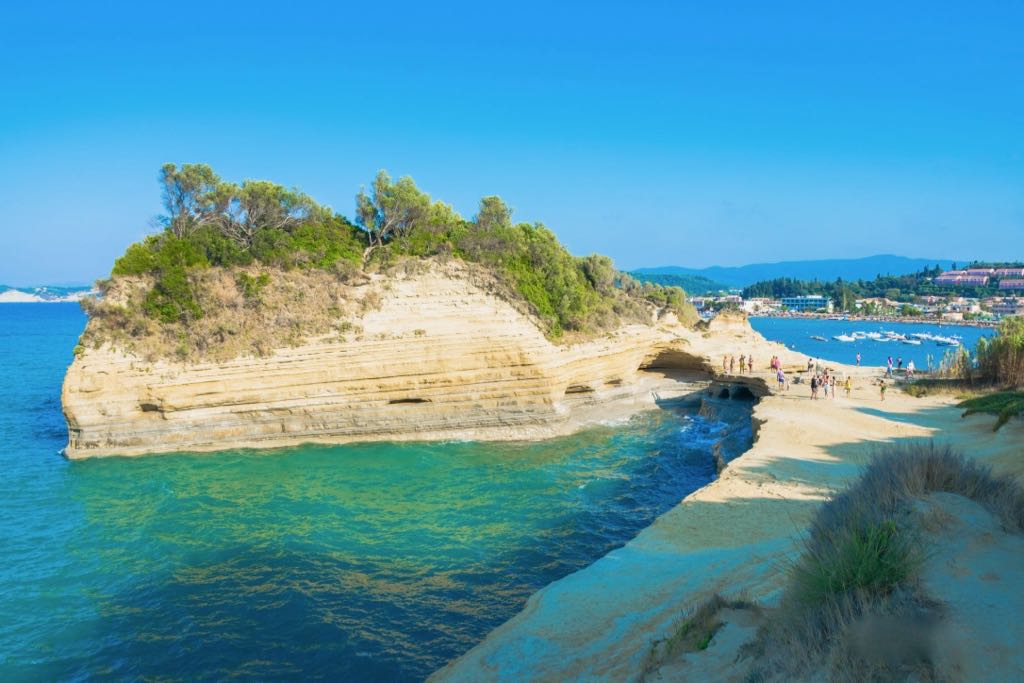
<point x="732" y="536"/>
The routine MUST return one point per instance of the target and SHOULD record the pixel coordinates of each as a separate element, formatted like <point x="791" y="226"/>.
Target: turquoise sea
<point x="369" y="562"/>
<point x="796" y="334"/>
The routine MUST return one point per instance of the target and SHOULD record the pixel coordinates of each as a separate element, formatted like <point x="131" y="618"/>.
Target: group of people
<point x="729" y="363"/>
<point x="825" y="382"/>
<point x="899" y="366"/>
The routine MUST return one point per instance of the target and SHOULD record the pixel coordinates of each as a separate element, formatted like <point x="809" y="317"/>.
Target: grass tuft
<point x="693" y="631"/>
<point x="860" y="566"/>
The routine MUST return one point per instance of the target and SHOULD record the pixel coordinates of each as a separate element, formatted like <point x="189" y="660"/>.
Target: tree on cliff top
<point x="493" y="213"/>
<point x="392" y="210"/>
<point x="213" y="223"/>
<point x="193" y="196"/>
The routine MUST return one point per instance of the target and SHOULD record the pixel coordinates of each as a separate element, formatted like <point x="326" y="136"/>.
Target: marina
<point x="841" y="340"/>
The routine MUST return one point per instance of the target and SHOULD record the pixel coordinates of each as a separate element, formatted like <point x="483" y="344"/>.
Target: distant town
<point x="978" y="294"/>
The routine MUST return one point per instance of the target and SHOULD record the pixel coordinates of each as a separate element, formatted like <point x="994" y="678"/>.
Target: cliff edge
<point x="442" y="356"/>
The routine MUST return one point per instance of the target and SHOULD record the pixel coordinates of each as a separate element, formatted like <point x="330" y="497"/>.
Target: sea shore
<point x="735" y="537"/>
<point x="918" y="320"/>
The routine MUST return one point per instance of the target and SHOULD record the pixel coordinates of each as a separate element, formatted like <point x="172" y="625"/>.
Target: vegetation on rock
<point x="238" y="239"/>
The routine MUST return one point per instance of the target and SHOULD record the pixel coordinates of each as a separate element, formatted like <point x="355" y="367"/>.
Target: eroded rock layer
<point x="441" y="358"/>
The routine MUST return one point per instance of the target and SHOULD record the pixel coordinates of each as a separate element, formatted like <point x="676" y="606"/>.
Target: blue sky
<point x="658" y="133"/>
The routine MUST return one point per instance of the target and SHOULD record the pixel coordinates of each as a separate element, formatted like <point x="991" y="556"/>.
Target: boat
<point x="946" y="341"/>
<point x="844" y="338"/>
<point x="912" y="342"/>
<point x="818" y="338"/>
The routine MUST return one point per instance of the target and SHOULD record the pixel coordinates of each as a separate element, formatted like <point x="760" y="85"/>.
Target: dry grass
<point x="242" y="320"/>
<point x="244" y="315"/>
<point x="853" y="608"/>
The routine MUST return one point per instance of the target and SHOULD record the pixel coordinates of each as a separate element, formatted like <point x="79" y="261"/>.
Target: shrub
<point x="862" y="555"/>
<point x="259" y="223"/>
<point x="251" y="287"/>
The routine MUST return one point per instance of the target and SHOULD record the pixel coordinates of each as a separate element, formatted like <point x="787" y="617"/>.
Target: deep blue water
<point x="796" y="334"/>
<point x="367" y="562"/>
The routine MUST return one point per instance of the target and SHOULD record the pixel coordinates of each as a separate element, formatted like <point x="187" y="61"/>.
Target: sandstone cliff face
<point x="441" y="358"/>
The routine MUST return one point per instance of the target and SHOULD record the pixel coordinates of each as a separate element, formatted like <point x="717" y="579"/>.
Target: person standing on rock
<point x="881" y="388"/>
<point x="732" y="364"/>
<point x="848" y="386"/>
<point x="743" y="363"/>
<point x="814" y="387"/>
<point x="725" y="363"/>
<point x="781" y="377"/>
<point x="858" y="359"/>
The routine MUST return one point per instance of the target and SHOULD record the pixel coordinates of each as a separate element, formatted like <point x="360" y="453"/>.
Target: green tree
<point x="263" y="205"/>
<point x="493" y="213"/>
<point x="393" y="209"/>
<point x="193" y="196"/>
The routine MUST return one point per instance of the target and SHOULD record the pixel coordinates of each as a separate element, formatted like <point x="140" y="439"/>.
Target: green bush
<point x="262" y="223"/>
<point x="172" y="299"/>
<point x="875" y="559"/>
<point x="1003" y="404"/>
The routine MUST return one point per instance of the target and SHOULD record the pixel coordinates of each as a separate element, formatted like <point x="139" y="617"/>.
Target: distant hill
<point x="695" y="285"/>
<point x="825" y="269"/>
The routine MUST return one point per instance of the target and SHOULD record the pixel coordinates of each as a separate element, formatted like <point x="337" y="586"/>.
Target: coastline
<point x="732" y="537"/>
<point x="881" y="319"/>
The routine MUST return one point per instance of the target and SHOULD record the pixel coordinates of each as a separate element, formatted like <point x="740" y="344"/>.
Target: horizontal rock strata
<point x="441" y="358"/>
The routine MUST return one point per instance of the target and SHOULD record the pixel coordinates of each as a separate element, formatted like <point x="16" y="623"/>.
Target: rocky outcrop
<point x="442" y="357"/>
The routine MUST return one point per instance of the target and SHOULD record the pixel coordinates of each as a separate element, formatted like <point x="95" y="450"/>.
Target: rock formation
<point x="441" y="358"/>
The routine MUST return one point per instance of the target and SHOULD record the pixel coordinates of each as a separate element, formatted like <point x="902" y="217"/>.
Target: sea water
<point x="360" y="562"/>
<point x="796" y="334"/>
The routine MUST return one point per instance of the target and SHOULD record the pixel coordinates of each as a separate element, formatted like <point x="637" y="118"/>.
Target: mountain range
<point x="866" y="268"/>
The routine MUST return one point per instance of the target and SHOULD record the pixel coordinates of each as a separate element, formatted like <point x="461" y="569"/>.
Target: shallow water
<point x="360" y="562"/>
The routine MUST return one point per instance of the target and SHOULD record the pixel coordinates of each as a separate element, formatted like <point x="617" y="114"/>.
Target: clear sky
<point x="659" y="133"/>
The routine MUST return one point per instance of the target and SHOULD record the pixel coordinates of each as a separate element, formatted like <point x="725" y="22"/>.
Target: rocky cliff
<point x="442" y="357"/>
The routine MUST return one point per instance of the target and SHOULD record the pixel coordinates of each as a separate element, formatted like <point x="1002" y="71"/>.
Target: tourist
<point x="881" y="388"/>
<point x="725" y="363"/>
<point x="888" y="368"/>
<point x="732" y="364"/>
<point x="814" y="387"/>
<point x="743" y="363"/>
<point x="848" y="386"/>
<point x="899" y="363"/>
<point x="810" y="364"/>
<point x="910" y="369"/>
<point x="781" y="377"/>
<point x="750" y="363"/>
<point x="858" y="359"/>
<point x="832" y="385"/>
